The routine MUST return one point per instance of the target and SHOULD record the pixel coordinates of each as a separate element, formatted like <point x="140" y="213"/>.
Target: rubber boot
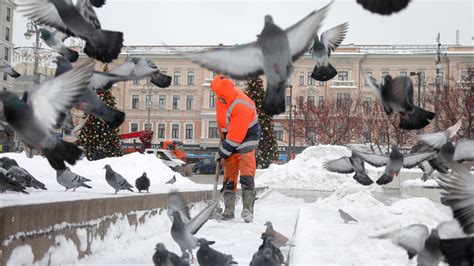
<point x="229" y="204"/>
<point x="248" y="200"/>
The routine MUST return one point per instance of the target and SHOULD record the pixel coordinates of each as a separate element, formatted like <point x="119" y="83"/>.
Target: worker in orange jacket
<point x="237" y="121"/>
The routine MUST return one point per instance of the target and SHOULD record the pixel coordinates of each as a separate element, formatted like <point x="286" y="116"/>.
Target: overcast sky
<point x="155" y="22"/>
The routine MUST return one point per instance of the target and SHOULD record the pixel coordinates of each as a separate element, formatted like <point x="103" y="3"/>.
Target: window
<point x="176" y="77"/>
<point x="370" y="74"/>
<point x="367" y="104"/>
<point x="9" y="14"/>
<point x="148" y="126"/>
<point x="321" y="101"/>
<point x="212" y="99"/>
<point x="135" y="82"/>
<point x="7" y="53"/>
<point x="301" y="79"/>
<point x="133" y="127"/>
<point x="161" y="131"/>
<point x="343" y="75"/>
<point x="322" y="83"/>
<point x="343" y="100"/>
<point x="175" y="102"/>
<point x="403" y="74"/>
<point x="135" y="101"/>
<point x="191" y="78"/>
<point x="175" y="131"/>
<point x="7" y="33"/>
<point x="287" y="103"/>
<point x="148" y="103"/>
<point x="189" y="131"/>
<point x="278" y="132"/>
<point x="5" y="77"/>
<point x="189" y="102"/>
<point x="310" y="79"/>
<point x="162" y="102"/>
<point x="382" y="76"/>
<point x="311" y="100"/>
<point x="213" y="134"/>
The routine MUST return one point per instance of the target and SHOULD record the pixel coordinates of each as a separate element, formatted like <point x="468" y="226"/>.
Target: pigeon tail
<point x="324" y="73"/>
<point x="37" y="184"/>
<point x="161" y="80"/>
<point x="363" y="179"/>
<point x="62" y="151"/>
<point x="111" y="116"/>
<point x="384" y="179"/>
<point x="85" y="185"/>
<point x="14" y="74"/>
<point x="104" y="46"/>
<point x="417" y="119"/>
<point x="275" y="99"/>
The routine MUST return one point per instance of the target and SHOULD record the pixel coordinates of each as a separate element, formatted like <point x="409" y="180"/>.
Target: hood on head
<point x="224" y="87"/>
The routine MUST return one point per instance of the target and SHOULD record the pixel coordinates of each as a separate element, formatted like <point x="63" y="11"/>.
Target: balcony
<point x="343" y="84"/>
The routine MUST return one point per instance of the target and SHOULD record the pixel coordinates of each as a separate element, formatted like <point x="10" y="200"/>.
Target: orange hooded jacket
<point x="237" y="118"/>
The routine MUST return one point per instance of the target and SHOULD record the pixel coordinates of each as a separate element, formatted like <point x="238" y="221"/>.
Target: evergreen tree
<point x="97" y="138"/>
<point x="267" y="148"/>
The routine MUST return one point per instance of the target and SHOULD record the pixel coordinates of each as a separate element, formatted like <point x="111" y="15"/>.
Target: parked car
<point x="206" y="166"/>
<point x="167" y="158"/>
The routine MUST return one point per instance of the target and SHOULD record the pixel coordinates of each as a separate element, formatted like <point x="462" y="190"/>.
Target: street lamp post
<point x="33" y="28"/>
<point x="438" y="79"/>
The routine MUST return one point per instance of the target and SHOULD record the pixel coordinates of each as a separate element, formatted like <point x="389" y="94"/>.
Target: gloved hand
<point x="217" y="157"/>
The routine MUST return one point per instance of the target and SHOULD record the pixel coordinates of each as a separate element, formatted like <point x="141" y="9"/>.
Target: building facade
<point x="6" y="46"/>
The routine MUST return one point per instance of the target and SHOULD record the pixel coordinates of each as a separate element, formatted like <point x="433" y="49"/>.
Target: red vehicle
<point x="176" y="147"/>
<point x="144" y="136"/>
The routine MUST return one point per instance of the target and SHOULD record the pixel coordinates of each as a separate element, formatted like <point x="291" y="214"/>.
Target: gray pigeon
<point x="396" y="95"/>
<point x="163" y="257"/>
<point x="184" y="228"/>
<point x="438" y="139"/>
<point x="172" y="180"/>
<point x="69" y="180"/>
<point x="268" y="243"/>
<point x="115" y="180"/>
<point x="55" y="40"/>
<point x="346" y="217"/>
<point x="142" y="183"/>
<point x="322" y="48"/>
<point x="43" y="108"/>
<point x="208" y="256"/>
<point x="272" y="54"/>
<point x="90" y="102"/>
<point x="7" y="68"/>
<point x="100" y="44"/>
<point x="346" y="165"/>
<point x="7" y="184"/>
<point x="384" y="7"/>
<point x="264" y="257"/>
<point x="21" y="176"/>
<point x="278" y="238"/>
<point x="394" y="162"/>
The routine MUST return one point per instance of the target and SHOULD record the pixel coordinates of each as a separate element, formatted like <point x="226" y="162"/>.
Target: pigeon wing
<point x="413" y="159"/>
<point x="177" y="203"/>
<point x="101" y="79"/>
<point x="142" y="68"/>
<point x="401" y="91"/>
<point x="333" y="37"/>
<point x="237" y="62"/>
<point x="199" y="220"/>
<point x="373" y="159"/>
<point x="435" y="140"/>
<point x="87" y="11"/>
<point x="411" y="238"/>
<point x="341" y="165"/>
<point x="43" y="12"/>
<point x="55" y="97"/>
<point x="464" y="150"/>
<point x="301" y="34"/>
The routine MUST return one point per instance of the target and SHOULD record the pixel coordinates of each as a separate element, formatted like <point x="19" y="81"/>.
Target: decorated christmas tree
<point x="97" y="138"/>
<point x="267" y="148"/>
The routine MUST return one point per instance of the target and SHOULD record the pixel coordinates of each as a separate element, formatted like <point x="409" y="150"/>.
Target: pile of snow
<point x="419" y="183"/>
<point x="130" y="166"/>
<point x="306" y="171"/>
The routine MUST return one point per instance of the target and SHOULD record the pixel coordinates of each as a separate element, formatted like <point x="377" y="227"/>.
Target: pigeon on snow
<point x="396" y="95"/>
<point x="163" y="257"/>
<point x="55" y="40"/>
<point x="346" y="217"/>
<point x="43" y="108"/>
<point x="23" y="177"/>
<point x="142" y="183"/>
<point x="384" y="7"/>
<point x="172" y="180"/>
<point x="322" y="48"/>
<point x="394" y="162"/>
<point x="268" y="253"/>
<point x="272" y="54"/>
<point x="7" y="68"/>
<point x="68" y="179"/>
<point x="346" y="165"/>
<point x="278" y="239"/>
<point x="208" y="256"/>
<point x="184" y="228"/>
<point x="101" y="44"/>
<point x="7" y="184"/>
<point x="115" y="180"/>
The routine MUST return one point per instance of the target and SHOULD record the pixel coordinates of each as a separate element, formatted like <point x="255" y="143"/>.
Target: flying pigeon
<point x="394" y="162"/>
<point x="322" y="48"/>
<point x="101" y="44"/>
<point x="163" y="257"/>
<point x="7" y="184"/>
<point x="278" y="239"/>
<point x="68" y="179"/>
<point x="115" y="180"/>
<point x="142" y="183"/>
<point x="458" y="251"/>
<point x="396" y="95"/>
<point x="184" y="228"/>
<point x="7" y="68"/>
<point x="55" y="40"/>
<point x="43" y="108"/>
<point x="272" y="54"/>
<point x="384" y="7"/>
<point x="172" y="180"/>
<point x="346" y="165"/>
<point x="346" y="217"/>
<point x="438" y="139"/>
<point x="208" y="256"/>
